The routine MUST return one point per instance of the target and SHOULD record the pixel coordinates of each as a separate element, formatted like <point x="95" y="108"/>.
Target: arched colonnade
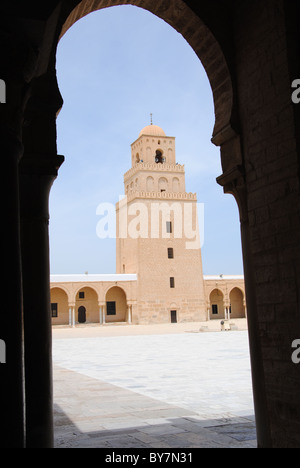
<point x="92" y="299"/>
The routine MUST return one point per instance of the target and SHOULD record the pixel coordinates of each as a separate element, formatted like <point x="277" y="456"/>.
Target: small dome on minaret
<point x="152" y="130"/>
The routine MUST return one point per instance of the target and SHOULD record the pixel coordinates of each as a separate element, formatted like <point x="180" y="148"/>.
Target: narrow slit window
<point x="172" y="282"/>
<point x="170" y="253"/>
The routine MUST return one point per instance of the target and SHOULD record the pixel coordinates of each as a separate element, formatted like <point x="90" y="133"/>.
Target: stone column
<point x="36" y="179"/>
<point x="70" y="316"/>
<point x="101" y="314"/>
<point x="74" y="316"/>
<point x="38" y="170"/>
<point x="233" y="182"/>
<point x="11" y="318"/>
<point x="129" y="314"/>
<point x="227" y="312"/>
<point x="104" y="314"/>
<point x="17" y="68"/>
<point x="245" y="307"/>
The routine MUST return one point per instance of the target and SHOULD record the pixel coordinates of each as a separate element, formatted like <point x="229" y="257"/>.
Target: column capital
<point x="234" y="183"/>
<point x="36" y="164"/>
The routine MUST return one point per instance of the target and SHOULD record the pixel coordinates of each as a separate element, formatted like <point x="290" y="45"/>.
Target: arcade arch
<point x="86" y="306"/>
<point x="59" y="306"/>
<point x="237" y="305"/>
<point x="217" y="307"/>
<point x="116" y="305"/>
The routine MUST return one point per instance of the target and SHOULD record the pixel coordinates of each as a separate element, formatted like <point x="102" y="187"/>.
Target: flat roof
<point x="223" y="277"/>
<point x="91" y="278"/>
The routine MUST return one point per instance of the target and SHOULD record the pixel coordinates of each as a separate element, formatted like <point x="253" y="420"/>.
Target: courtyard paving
<point x="156" y="387"/>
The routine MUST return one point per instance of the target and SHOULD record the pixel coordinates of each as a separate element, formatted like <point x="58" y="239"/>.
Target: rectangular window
<point x="172" y="282"/>
<point x="111" y="308"/>
<point x="169" y="227"/>
<point x="170" y="253"/>
<point x="81" y="295"/>
<point x="215" y="309"/>
<point x="173" y="316"/>
<point x="54" y="310"/>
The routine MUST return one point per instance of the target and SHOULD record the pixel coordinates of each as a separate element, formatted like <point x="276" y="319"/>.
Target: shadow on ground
<point x="180" y="432"/>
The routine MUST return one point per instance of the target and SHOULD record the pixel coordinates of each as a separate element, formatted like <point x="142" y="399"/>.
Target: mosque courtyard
<point x="168" y="386"/>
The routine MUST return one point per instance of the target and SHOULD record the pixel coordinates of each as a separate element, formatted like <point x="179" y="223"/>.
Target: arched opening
<point x="86" y="306"/>
<point x="222" y="112"/>
<point x="208" y="49"/>
<point x="116" y="305"/>
<point x="81" y="314"/>
<point x="217" y="309"/>
<point x="59" y="307"/>
<point x="150" y="184"/>
<point x="163" y="184"/>
<point x="237" y="307"/>
<point x="159" y="159"/>
<point x="176" y="185"/>
<point x="272" y="288"/>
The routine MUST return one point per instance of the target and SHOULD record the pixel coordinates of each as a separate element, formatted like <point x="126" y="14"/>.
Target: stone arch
<point x="163" y="184"/>
<point x="90" y="301"/>
<point x="202" y="40"/>
<point x="176" y="185"/>
<point x="173" y="313"/>
<point x="59" y="303"/>
<point x="116" y="305"/>
<point x="217" y="306"/>
<point x="150" y="184"/>
<point x="237" y="306"/>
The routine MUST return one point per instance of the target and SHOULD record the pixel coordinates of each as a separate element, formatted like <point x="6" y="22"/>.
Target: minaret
<point x="158" y="233"/>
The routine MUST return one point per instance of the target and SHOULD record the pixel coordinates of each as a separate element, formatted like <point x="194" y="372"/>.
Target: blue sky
<point x="115" y="67"/>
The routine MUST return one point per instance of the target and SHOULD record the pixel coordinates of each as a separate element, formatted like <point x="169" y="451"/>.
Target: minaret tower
<point x="158" y="233"/>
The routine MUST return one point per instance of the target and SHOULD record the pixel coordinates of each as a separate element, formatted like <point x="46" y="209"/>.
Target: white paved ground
<point x="206" y="373"/>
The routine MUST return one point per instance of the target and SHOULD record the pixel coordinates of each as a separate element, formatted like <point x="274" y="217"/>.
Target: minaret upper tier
<point x="154" y="168"/>
<point x="153" y="146"/>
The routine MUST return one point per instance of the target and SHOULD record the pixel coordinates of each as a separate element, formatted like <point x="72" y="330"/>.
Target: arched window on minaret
<point x="163" y="184"/>
<point x="159" y="159"/>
